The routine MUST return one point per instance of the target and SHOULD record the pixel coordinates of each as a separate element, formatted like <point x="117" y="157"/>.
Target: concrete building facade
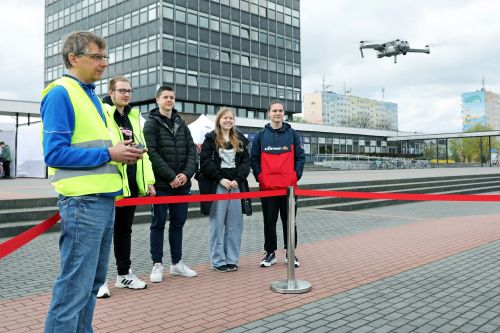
<point x="329" y="108"/>
<point x="241" y="53"/>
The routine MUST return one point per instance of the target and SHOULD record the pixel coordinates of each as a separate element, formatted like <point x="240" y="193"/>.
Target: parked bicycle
<point x="381" y="164"/>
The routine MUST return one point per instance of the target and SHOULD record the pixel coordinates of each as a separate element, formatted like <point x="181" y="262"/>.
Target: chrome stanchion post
<point x="290" y="285"/>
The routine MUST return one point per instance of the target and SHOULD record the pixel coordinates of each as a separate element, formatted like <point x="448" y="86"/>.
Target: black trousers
<point x="6" y="169"/>
<point x="122" y="237"/>
<point x="271" y="207"/>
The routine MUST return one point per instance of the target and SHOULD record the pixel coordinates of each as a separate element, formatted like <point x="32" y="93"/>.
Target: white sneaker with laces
<point x="182" y="269"/>
<point x="156" y="273"/>
<point x="129" y="281"/>
<point x="103" y="291"/>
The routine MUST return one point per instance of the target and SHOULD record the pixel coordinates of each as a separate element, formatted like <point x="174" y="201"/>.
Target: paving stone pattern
<point x="457" y="294"/>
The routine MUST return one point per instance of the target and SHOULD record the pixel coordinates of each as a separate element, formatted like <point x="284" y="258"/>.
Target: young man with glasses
<point x="138" y="180"/>
<point x="84" y="167"/>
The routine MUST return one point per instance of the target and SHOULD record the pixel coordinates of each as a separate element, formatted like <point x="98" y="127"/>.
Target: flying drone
<point x="393" y="48"/>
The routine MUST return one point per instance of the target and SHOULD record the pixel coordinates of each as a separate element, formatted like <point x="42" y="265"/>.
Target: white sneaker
<point x="156" y="273"/>
<point x="182" y="269"/>
<point x="129" y="281"/>
<point x="104" y="291"/>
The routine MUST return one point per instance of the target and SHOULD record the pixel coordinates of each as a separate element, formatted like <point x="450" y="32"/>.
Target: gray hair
<point x="77" y="43"/>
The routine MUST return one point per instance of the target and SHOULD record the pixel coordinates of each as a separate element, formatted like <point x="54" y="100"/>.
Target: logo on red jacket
<point x="269" y="148"/>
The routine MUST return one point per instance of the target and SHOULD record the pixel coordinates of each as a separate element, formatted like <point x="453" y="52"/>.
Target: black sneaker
<point x="221" y="268"/>
<point x="232" y="267"/>
<point x="297" y="264"/>
<point x="268" y="260"/>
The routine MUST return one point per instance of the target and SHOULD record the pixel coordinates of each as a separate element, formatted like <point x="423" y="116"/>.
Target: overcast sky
<point x="462" y="34"/>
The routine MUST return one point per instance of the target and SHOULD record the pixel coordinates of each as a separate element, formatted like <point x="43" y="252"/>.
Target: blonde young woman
<point x="224" y="158"/>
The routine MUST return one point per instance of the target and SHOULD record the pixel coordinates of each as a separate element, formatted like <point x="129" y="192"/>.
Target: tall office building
<point x="212" y="52"/>
<point x="329" y="108"/>
<point x="480" y="108"/>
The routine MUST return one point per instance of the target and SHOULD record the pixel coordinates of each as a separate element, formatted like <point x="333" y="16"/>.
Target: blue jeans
<point x="85" y="243"/>
<point x="178" y="215"/>
<point x="225" y="226"/>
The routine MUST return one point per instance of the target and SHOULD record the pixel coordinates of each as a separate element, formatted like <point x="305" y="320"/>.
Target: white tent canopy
<point x="200" y="127"/>
<point x="29" y="152"/>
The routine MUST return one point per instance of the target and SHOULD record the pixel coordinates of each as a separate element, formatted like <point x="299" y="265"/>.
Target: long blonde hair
<point x="233" y="135"/>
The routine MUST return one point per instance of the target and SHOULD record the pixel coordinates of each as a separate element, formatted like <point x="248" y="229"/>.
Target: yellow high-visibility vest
<point x="90" y="132"/>
<point x="144" y="174"/>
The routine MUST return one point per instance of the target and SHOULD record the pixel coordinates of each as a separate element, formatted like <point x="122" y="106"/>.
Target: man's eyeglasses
<point x="95" y="56"/>
<point x="125" y="91"/>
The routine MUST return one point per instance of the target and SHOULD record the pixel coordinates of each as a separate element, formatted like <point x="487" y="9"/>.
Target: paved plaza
<point x="418" y="267"/>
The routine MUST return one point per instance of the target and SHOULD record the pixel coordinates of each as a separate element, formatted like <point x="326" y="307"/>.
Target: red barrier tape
<point x="15" y="243"/>
<point x="197" y="198"/>
<point x="400" y="196"/>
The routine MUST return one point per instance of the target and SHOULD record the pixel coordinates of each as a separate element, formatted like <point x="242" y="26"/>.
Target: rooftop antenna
<point x="383" y="93"/>
<point x="346" y="91"/>
<point x="325" y="86"/>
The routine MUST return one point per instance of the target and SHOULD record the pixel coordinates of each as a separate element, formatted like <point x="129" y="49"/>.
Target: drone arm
<point x="395" y="58"/>
<point x="426" y="50"/>
<point x="361" y="50"/>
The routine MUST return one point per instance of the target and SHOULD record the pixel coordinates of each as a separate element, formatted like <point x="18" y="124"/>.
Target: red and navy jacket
<point x="277" y="157"/>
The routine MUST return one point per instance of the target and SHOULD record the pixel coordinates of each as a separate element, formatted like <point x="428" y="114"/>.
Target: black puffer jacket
<point x="210" y="160"/>
<point x="171" y="151"/>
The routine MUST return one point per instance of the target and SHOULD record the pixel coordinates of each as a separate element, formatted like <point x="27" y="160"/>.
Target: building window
<point x="188" y="107"/>
<point x="224" y="56"/>
<point x="180" y="78"/>
<point x="180" y="15"/>
<point x="168" y="44"/>
<point x="241" y="112"/>
<point x="200" y="108"/>
<point x="192" y="19"/>
<point x="203" y="81"/>
<point x="255" y="62"/>
<point x="203" y="22"/>
<point x="254" y="35"/>
<point x="215" y="54"/>
<point x="245" y="60"/>
<point x="235" y="58"/>
<point x="255" y="88"/>
<point x="204" y="52"/>
<point x="193" y="49"/>
<point x="235" y="85"/>
<point x="215" y="83"/>
<point x="263" y="37"/>
<point x="225" y="84"/>
<point x="192" y="80"/>
<point x="235" y="30"/>
<point x="168" y="76"/>
<point x="225" y="27"/>
<point x="245" y="33"/>
<point x="168" y="13"/>
<point x="214" y="24"/>
<point x="180" y="47"/>
<point x="245" y="88"/>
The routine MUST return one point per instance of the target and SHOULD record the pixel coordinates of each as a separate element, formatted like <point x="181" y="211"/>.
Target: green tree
<point x="469" y="149"/>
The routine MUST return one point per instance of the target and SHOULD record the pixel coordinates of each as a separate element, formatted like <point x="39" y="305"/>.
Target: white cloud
<point x="21" y="59"/>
